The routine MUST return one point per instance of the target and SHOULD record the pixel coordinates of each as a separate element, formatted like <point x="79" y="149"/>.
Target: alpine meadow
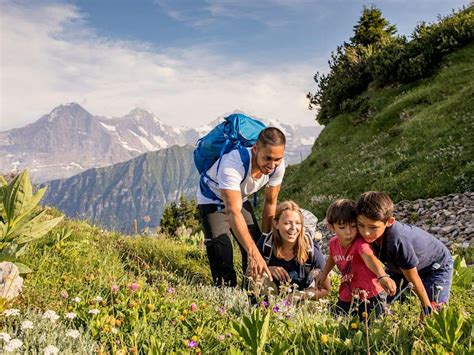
<point x="399" y="117"/>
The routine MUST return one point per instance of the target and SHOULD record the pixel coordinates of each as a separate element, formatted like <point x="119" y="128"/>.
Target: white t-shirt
<point x="230" y="176"/>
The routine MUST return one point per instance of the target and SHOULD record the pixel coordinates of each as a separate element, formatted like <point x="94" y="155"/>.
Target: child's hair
<point x="375" y="205"/>
<point x="302" y="244"/>
<point x="341" y="211"/>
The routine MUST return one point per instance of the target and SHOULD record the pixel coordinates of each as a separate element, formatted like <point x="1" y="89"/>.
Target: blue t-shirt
<point x="405" y="246"/>
<point x="300" y="274"/>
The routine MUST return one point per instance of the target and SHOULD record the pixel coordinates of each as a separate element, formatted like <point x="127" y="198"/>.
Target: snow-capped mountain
<point x="70" y="140"/>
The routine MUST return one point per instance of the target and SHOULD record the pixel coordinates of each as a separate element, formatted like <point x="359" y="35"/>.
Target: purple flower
<point x="276" y="309"/>
<point x="221" y="310"/>
<point x="192" y="344"/>
<point x="264" y="304"/>
<point x="193" y="307"/>
<point x="170" y="290"/>
<point x="115" y="288"/>
<point x="286" y="303"/>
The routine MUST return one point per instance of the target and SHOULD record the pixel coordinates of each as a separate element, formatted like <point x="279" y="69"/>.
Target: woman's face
<point x="289" y="225"/>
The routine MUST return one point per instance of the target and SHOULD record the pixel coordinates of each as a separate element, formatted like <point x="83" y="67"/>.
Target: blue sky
<point x="186" y="61"/>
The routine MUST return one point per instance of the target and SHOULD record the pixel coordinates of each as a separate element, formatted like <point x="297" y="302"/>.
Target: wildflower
<point x="114" y="331"/>
<point x="115" y="288"/>
<point x="98" y="299"/>
<point x="264" y="304"/>
<point x="221" y="337"/>
<point x="354" y="325"/>
<point x="64" y="294"/>
<point x="285" y="303"/>
<point x="51" y="315"/>
<point x="73" y="333"/>
<point x="221" y="310"/>
<point x="134" y="287"/>
<point x="13" y="344"/>
<point x="324" y="338"/>
<point x="51" y="350"/>
<point x="193" y="307"/>
<point x="194" y="337"/>
<point x="228" y="335"/>
<point x="70" y="315"/>
<point x="181" y="318"/>
<point x="364" y="295"/>
<point x="5" y="337"/>
<point x="185" y="312"/>
<point x="170" y="290"/>
<point x="26" y="324"/>
<point x="365" y="314"/>
<point x="276" y="309"/>
<point x="76" y="299"/>
<point x="192" y="344"/>
<point x="11" y="312"/>
<point x="93" y="311"/>
<point x="150" y="307"/>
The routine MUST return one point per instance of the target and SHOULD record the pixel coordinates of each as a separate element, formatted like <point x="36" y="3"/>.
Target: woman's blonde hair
<point x="302" y="244"/>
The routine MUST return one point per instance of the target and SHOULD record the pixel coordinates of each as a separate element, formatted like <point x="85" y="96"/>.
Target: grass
<point x="128" y="290"/>
<point x="418" y="142"/>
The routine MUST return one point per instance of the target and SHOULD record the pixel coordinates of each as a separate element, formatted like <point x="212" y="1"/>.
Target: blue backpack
<point x="236" y="132"/>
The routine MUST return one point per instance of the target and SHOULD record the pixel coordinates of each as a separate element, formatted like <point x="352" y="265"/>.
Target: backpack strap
<point x="244" y="156"/>
<point x="267" y="249"/>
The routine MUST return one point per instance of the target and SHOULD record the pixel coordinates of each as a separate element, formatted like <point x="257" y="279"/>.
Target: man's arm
<point x="269" y="208"/>
<point x="233" y="203"/>
<point x="321" y="278"/>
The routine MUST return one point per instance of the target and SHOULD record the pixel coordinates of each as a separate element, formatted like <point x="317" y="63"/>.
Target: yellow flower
<point x="324" y="338"/>
<point x="365" y="314"/>
<point x="354" y="325"/>
<point x="181" y="318"/>
<point x="185" y="312"/>
<point x="195" y="338"/>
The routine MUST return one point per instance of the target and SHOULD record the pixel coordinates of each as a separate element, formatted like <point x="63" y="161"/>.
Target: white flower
<point x="13" y="345"/>
<point x="26" y="324"/>
<point x="73" y="333"/>
<point x="93" y="311"/>
<point x="51" y="315"/>
<point x="76" y="299"/>
<point x="5" y="337"/>
<point x="70" y="315"/>
<point x="114" y="331"/>
<point x="98" y="299"/>
<point x="11" y="312"/>
<point x="51" y="350"/>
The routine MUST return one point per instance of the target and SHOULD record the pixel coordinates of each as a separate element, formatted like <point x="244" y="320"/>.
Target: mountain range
<point x="70" y="140"/>
<point x="138" y="189"/>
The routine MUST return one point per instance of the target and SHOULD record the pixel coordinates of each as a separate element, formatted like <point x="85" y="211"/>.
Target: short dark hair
<point x="341" y="211"/>
<point x="271" y="136"/>
<point x="375" y="205"/>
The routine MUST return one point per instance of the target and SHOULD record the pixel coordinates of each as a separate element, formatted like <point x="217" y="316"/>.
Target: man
<point x="232" y="214"/>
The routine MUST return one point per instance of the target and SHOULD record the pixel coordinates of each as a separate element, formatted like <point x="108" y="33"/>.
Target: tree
<point x="372" y="28"/>
<point x="184" y="213"/>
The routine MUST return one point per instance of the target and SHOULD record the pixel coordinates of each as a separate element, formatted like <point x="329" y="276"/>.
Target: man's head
<point x="269" y="150"/>
<point x="374" y="214"/>
<point x="342" y="219"/>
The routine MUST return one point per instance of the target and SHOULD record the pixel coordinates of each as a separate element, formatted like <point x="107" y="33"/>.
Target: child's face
<point x="289" y="225"/>
<point x="372" y="230"/>
<point x="345" y="232"/>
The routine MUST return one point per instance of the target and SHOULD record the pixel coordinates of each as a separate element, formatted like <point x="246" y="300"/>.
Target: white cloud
<point x="49" y="57"/>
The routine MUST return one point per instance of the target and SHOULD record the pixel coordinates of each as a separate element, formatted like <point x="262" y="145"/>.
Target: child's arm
<point x="324" y="274"/>
<point x="412" y="276"/>
<point x="315" y="293"/>
<point x="375" y="265"/>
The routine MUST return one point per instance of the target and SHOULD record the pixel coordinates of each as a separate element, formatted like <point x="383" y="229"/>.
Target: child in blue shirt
<point x="409" y="253"/>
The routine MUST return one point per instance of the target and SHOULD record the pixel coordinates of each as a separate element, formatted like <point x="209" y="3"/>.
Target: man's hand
<point x="388" y="285"/>
<point x="280" y="274"/>
<point x="257" y="266"/>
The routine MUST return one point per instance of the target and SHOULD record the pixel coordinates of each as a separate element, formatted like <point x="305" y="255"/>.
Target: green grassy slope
<point x="417" y="141"/>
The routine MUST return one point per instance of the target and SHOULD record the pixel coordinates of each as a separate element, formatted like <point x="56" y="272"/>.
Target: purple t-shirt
<point x="405" y="246"/>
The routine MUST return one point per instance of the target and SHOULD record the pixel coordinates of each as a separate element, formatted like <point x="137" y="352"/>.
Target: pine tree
<point x="372" y="28"/>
